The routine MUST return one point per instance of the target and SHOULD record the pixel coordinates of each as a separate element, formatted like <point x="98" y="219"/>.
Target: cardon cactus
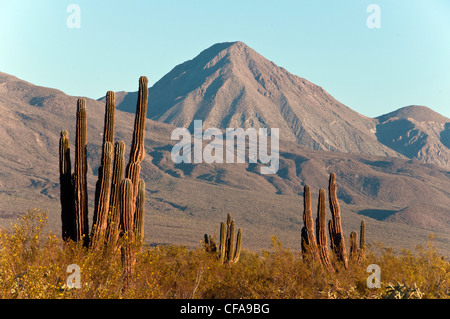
<point x="126" y="225"/>
<point x="102" y="194"/>
<point x="115" y="196"/>
<point x="66" y="188"/>
<point x="354" y="251"/>
<point x="309" y="244"/>
<point x="79" y="176"/>
<point x="137" y="152"/>
<point x="358" y="253"/>
<point x="139" y="215"/>
<point x="336" y="232"/>
<point x="321" y="231"/>
<point x="362" y="239"/>
<point x="112" y="229"/>
<point x="229" y="250"/>
<point x="103" y="186"/>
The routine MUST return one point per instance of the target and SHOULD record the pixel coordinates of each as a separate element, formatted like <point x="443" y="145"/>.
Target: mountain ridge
<point x="401" y="199"/>
<point x="231" y="85"/>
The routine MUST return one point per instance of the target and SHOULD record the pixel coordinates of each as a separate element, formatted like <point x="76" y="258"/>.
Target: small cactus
<point x="354" y="251"/>
<point x="210" y="245"/>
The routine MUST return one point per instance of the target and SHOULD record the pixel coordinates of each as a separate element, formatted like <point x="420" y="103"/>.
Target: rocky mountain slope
<point x="401" y="199"/>
<point x="229" y="85"/>
<point x="417" y="132"/>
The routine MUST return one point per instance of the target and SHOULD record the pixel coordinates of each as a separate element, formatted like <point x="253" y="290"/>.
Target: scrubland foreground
<point x="36" y="264"/>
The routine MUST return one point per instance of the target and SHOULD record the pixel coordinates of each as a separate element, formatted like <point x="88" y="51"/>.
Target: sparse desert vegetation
<point x="33" y="264"/>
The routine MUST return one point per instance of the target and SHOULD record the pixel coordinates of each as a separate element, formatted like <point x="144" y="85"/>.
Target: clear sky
<point x="372" y="70"/>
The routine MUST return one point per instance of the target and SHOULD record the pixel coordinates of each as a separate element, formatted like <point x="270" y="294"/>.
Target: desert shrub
<point x="33" y="264"/>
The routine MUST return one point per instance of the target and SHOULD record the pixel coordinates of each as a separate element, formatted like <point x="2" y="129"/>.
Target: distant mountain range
<point x="231" y="85"/>
<point x="392" y="170"/>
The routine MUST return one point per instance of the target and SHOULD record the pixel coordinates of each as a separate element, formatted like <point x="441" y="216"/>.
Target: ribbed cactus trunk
<point x="80" y="170"/>
<point x="137" y="151"/>
<point x="309" y="244"/>
<point x="103" y="194"/>
<point x="110" y="110"/>
<point x="126" y="207"/>
<point x="222" y="244"/>
<point x="336" y="232"/>
<point x="362" y="240"/>
<point x="112" y="229"/>
<point x="139" y="215"/>
<point x="103" y="186"/>
<point x="321" y="231"/>
<point x="230" y="243"/>
<point x="66" y="188"/>
<point x="237" y="250"/>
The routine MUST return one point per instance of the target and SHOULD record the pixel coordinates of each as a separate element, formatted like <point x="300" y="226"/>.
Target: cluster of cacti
<point x="119" y="197"/>
<point x="229" y="248"/>
<point x="316" y="249"/>
<point x="357" y="253"/>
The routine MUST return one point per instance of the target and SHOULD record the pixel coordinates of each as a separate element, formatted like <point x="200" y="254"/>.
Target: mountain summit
<point x="231" y="85"/>
<point x="417" y="132"/>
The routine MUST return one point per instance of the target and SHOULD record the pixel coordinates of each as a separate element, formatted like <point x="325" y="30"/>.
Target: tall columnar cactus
<point x="321" y="231"/>
<point x="66" y="187"/>
<point x="139" y="214"/>
<point x="102" y="202"/>
<point x="126" y="207"/>
<point x="337" y="234"/>
<point x="309" y="245"/>
<point x="102" y="194"/>
<point x="229" y="251"/>
<point x="80" y="171"/>
<point x="110" y="110"/>
<point x="362" y="239"/>
<point x="334" y="228"/>
<point x="119" y="201"/>
<point x="112" y="228"/>
<point x="137" y="152"/>
<point x="102" y="190"/>
<point x="222" y="246"/>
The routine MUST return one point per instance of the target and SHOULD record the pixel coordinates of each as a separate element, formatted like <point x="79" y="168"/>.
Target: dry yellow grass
<point x="33" y="264"/>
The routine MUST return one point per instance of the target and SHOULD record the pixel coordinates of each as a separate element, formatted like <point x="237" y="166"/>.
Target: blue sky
<point x="371" y="70"/>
